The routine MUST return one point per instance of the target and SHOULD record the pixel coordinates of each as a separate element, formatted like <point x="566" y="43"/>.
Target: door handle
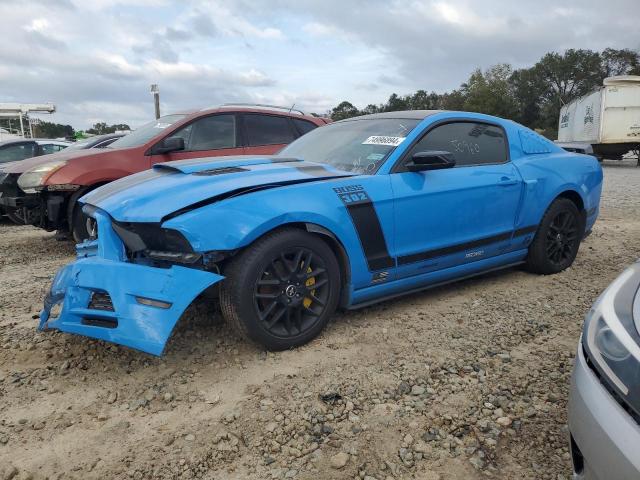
<point x="506" y="181"/>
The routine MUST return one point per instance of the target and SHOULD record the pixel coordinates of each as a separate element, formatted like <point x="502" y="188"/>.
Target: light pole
<point x="156" y="98"/>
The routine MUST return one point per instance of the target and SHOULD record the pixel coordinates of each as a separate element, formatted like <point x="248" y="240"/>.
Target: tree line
<point x="44" y="129"/>
<point x="532" y="96"/>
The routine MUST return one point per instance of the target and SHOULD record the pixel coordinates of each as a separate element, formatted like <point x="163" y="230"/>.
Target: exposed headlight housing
<point x="612" y="342"/>
<point x="32" y="180"/>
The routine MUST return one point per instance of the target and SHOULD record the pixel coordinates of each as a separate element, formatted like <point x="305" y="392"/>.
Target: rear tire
<point x="556" y="243"/>
<point x="282" y="290"/>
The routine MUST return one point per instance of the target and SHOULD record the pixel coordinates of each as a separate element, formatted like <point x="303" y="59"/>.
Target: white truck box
<point x="608" y="119"/>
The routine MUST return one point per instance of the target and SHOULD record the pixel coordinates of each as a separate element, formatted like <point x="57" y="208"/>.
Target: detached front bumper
<point x="123" y="313"/>
<point x="101" y="295"/>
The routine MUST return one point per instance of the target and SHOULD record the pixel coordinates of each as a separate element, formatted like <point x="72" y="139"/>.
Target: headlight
<point x="611" y="339"/>
<point x="32" y="180"/>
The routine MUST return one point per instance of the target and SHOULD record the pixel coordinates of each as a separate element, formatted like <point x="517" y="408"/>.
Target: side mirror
<point x="430" y="160"/>
<point x="171" y="144"/>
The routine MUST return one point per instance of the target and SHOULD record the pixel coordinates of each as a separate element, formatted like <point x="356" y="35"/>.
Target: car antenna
<point x="294" y="104"/>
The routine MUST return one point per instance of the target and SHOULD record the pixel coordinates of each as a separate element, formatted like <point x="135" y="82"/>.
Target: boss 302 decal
<point x="367" y="224"/>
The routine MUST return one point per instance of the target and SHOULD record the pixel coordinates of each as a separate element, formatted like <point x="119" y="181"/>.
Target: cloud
<point x="95" y="60"/>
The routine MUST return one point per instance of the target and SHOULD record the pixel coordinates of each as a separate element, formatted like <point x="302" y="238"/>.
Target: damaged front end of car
<point x="130" y="286"/>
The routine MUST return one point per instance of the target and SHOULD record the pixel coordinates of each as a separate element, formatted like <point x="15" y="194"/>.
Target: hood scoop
<point x="216" y="163"/>
<point x="221" y="171"/>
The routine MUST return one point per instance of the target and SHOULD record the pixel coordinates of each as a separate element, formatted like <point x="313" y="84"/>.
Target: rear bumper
<point x="607" y="437"/>
<point x="128" y="322"/>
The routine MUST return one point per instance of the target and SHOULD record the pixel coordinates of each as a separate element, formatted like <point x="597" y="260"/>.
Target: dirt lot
<point x="465" y="381"/>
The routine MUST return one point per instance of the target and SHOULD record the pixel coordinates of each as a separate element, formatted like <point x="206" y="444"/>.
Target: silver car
<point x="604" y="404"/>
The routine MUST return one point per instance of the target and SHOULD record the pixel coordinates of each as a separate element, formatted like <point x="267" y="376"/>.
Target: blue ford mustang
<point x="352" y="213"/>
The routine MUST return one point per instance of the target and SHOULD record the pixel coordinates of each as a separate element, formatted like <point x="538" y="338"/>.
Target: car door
<point x="267" y="134"/>
<point x="448" y="217"/>
<point x="211" y="136"/>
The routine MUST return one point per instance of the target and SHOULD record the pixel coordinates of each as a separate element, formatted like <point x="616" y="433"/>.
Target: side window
<point x="304" y="126"/>
<point x="267" y="130"/>
<point x="50" y="148"/>
<point x="20" y="151"/>
<point x="209" y="133"/>
<point x="471" y="143"/>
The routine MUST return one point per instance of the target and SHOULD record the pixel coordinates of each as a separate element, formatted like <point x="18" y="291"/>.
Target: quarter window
<point x="267" y="130"/>
<point x="304" y="126"/>
<point x="470" y="143"/>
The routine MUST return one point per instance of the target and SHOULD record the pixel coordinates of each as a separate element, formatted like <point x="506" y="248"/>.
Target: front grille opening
<point x="576" y="457"/>
<point x="101" y="301"/>
<point x="100" y="322"/>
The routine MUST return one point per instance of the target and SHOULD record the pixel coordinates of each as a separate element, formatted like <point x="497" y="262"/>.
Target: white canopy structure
<point x="19" y="110"/>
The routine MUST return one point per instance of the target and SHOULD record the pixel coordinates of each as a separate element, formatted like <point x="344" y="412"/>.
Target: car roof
<point x="400" y="115"/>
<point x="250" y="108"/>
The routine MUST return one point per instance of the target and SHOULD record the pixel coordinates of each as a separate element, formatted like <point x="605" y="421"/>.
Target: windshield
<point x="359" y="146"/>
<point x="146" y="132"/>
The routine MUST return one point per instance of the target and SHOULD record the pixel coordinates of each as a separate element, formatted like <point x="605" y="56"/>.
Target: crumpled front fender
<point x="129" y="322"/>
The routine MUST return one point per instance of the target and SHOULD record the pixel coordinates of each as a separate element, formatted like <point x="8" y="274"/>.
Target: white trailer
<point x="607" y="120"/>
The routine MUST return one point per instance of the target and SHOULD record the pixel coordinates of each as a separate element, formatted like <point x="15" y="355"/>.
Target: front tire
<point x="83" y="227"/>
<point x="556" y="244"/>
<point x="282" y="290"/>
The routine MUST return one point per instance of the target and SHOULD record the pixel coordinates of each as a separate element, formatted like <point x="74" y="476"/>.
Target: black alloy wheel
<point x="282" y="290"/>
<point x="556" y="243"/>
<point x="292" y="292"/>
<point x="562" y="238"/>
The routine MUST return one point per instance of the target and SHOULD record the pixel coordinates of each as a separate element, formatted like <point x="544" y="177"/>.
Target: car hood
<point x="169" y="189"/>
<point x="22" y="166"/>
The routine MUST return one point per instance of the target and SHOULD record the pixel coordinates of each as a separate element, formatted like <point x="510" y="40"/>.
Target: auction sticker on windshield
<point x="383" y="140"/>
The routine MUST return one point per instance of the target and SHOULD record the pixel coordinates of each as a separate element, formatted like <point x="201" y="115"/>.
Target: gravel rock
<point x="339" y="460"/>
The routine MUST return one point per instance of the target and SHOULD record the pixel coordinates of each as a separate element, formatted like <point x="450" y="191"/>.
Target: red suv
<point x="47" y="189"/>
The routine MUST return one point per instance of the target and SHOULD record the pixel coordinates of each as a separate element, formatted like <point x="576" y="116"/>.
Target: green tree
<point x="619" y="62"/>
<point x="565" y="77"/>
<point x="396" y="103"/>
<point x="53" y="130"/>
<point x="490" y="92"/>
<point x="344" y="110"/>
<point x="528" y="89"/>
<point x="421" y="100"/>
<point x="101" y="128"/>
<point x="371" y="108"/>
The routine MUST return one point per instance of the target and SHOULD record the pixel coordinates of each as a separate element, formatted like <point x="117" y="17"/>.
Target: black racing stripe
<point x="96" y="196"/>
<point x="440" y="252"/>
<point x="525" y="231"/>
<point x="365" y="220"/>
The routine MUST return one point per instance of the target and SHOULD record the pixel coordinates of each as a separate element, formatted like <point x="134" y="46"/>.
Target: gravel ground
<point x="464" y="381"/>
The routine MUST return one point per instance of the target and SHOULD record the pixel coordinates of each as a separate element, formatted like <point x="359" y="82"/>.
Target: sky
<point x="95" y="59"/>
